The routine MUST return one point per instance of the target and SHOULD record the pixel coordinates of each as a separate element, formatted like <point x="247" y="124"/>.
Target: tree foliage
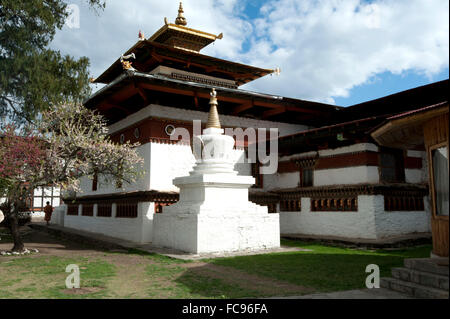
<point x="68" y="142"/>
<point x="33" y="76"/>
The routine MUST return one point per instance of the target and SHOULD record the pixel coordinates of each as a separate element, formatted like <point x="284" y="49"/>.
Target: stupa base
<point x="230" y="231"/>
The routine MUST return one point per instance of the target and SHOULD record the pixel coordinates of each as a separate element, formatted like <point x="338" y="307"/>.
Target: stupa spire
<point x="180" y="20"/>
<point x="213" y="116"/>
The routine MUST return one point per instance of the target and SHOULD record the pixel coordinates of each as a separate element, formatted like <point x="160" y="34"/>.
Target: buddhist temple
<point x="333" y="179"/>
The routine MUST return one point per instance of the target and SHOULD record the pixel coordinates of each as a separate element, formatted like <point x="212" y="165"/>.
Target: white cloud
<point x="323" y="47"/>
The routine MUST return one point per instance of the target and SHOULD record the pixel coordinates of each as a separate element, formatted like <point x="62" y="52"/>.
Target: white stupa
<point x="214" y="214"/>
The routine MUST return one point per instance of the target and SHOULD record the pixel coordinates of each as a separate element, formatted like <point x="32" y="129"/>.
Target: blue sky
<point x="341" y="52"/>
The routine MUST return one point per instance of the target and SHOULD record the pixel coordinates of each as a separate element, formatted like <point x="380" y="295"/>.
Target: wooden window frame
<point x="301" y="183"/>
<point x="95" y="182"/>
<point x="430" y="149"/>
<point x="101" y="207"/>
<point x="399" y="156"/>
<point x="130" y="210"/>
<point x="87" y="210"/>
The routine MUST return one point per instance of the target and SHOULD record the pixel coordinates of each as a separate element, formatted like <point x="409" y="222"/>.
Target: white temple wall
<point x="359" y="224"/>
<point x="281" y="180"/>
<point x="137" y="229"/>
<point x="417" y="175"/>
<point x="346" y="175"/>
<point x="168" y="161"/>
<point x="142" y="184"/>
<point x="404" y="222"/>
<point x="371" y="221"/>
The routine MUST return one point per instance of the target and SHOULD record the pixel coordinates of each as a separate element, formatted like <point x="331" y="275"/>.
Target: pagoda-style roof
<point x="176" y="46"/>
<point x="150" y="54"/>
<point x="182" y="37"/>
<point x="132" y="91"/>
<point x="179" y="36"/>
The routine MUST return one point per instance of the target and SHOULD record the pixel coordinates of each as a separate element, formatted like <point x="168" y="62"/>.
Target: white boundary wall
<point x="369" y="222"/>
<point x="137" y="229"/>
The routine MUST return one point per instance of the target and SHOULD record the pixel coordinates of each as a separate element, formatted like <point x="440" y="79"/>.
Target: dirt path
<point x="132" y="279"/>
<point x="264" y="285"/>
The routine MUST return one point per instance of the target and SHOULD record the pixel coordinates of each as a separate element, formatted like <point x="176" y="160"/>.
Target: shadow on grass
<point x="324" y="269"/>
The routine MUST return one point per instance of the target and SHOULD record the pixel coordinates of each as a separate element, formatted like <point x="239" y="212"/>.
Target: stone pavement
<point x="376" y="293"/>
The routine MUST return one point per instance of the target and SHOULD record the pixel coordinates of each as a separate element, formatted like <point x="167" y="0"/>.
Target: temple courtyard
<point x="303" y="269"/>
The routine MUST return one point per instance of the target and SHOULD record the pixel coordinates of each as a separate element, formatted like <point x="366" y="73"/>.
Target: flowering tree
<point x="67" y="143"/>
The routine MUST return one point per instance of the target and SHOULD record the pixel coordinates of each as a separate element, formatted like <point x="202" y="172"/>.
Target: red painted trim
<point x="413" y="162"/>
<point x="366" y="158"/>
<point x="347" y="160"/>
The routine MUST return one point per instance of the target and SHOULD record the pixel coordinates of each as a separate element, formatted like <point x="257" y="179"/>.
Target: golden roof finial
<point x="213" y="116"/>
<point x="180" y="20"/>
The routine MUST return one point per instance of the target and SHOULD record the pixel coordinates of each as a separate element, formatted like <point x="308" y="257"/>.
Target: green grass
<point x="325" y="268"/>
<point x="44" y="277"/>
<point x="322" y="269"/>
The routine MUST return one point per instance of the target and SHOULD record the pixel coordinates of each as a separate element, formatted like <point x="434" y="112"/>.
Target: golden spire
<point x="180" y="20"/>
<point x="213" y="116"/>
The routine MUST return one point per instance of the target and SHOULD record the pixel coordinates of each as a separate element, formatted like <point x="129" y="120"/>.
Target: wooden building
<point x="426" y="128"/>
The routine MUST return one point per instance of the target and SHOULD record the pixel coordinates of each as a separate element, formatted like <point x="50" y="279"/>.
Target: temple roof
<point x="176" y="46"/>
<point x="133" y="90"/>
<point x="150" y="54"/>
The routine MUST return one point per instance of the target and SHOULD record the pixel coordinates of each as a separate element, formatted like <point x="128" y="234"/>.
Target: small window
<point x="137" y="132"/>
<point x="127" y="210"/>
<point x="391" y="166"/>
<point x="306" y="176"/>
<point x="95" y="182"/>
<point x="122" y="138"/>
<point x="104" y="210"/>
<point x="87" y="210"/>
<point x="439" y="158"/>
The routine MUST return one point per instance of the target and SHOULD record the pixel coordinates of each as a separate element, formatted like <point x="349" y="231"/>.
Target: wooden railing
<point x="104" y="210"/>
<point x="87" y="210"/>
<point x="348" y="204"/>
<point x="403" y="203"/>
<point x="127" y="210"/>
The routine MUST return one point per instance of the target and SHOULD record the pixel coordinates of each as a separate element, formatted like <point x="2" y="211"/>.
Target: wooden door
<point x="436" y="142"/>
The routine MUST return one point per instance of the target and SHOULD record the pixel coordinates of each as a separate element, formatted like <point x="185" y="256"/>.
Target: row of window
<point x="391" y="168"/>
<point x="123" y="210"/>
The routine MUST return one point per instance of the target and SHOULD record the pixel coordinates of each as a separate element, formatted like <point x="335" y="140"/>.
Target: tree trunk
<point x="14" y="228"/>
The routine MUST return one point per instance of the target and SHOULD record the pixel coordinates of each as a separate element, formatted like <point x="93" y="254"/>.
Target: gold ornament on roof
<point x="127" y="64"/>
<point x="180" y="20"/>
<point x="213" y="116"/>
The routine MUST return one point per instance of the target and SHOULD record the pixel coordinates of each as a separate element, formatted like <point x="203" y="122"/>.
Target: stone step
<point x="420" y="277"/>
<point x="428" y="265"/>
<point x="413" y="289"/>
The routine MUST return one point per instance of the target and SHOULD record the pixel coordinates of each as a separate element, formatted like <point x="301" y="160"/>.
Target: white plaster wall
<point x="358" y="224"/>
<point x="360" y="147"/>
<point x="134" y="229"/>
<point x="190" y="115"/>
<point x="281" y="180"/>
<point x="401" y="223"/>
<point x="369" y="222"/>
<point x="350" y="149"/>
<point x="346" y="175"/>
<point x="104" y="187"/>
<point x="414" y="176"/>
<point x="169" y="161"/>
<point x="212" y="233"/>
<point x="417" y="176"/>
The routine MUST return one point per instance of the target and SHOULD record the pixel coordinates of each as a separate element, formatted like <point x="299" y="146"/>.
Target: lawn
<point x="136" y="274"/>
